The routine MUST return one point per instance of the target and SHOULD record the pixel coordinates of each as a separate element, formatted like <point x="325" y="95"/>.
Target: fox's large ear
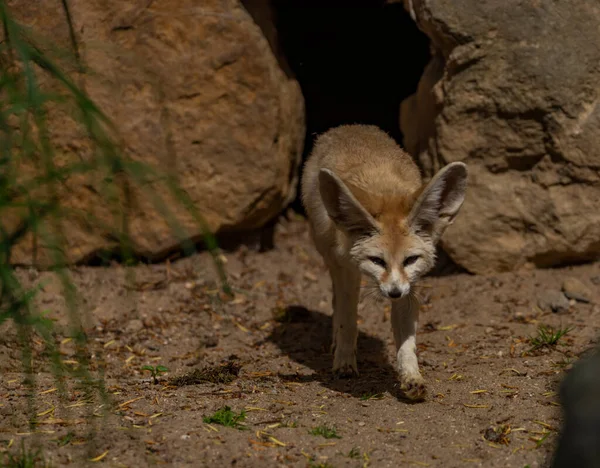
<point x="343" y="208"/>
<point x="440" y="201"/>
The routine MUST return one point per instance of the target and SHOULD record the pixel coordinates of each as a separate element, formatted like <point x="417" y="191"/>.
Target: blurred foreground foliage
<point x="34" y="79"/>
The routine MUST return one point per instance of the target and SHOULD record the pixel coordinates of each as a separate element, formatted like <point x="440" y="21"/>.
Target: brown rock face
<point x="193" y="88"/>
<point x="513" y="90"/>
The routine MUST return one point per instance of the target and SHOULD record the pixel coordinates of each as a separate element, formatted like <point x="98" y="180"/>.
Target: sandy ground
<point x="490" y="403"/>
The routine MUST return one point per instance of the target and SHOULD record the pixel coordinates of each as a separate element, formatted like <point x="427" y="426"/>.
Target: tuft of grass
<point x="371" y="396"/>
<point x="221" y="374"/>
<point x="354" y="453"/>
<point x="66" y="439"/>
<point x="326" y="431"/>
<point x="565" y="363"/>
<point x="24" y="458"/>
<point x="540" y="441"/>
<point x="547" y="336"/>
<point x="226" y="417"/>
<point x="155" y="371"/>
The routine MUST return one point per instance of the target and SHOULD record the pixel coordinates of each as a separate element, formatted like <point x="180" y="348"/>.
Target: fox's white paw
<point x="413" y="386"/>
<point x="344" y="364"/>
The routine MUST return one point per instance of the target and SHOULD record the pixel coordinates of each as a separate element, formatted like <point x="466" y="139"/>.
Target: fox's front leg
<point x="405" y="317"/>
<point x="346" y="290"/>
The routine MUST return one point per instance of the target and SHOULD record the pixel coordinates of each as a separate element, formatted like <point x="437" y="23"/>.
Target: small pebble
<point x="428" y="362"/>
<point x="210" y="340"/>
<point x="519" y="316"/>
<point x="576" y="290"/>
<point x="553" y="300"/>
<point x="134" y="326"/>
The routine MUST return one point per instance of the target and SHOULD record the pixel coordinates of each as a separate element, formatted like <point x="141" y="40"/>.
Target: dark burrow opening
<point x="355" y="61"/>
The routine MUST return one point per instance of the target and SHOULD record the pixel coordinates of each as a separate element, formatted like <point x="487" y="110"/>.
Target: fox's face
<point x="396" y="247"/>
<point x="393" y="258"/>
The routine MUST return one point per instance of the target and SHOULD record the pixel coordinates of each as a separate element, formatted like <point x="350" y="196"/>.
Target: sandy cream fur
<point x="371" y="215"/>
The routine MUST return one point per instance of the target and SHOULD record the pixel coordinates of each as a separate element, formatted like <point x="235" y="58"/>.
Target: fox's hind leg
<point x="346" y="290"/>
<point x="405" y="316"/>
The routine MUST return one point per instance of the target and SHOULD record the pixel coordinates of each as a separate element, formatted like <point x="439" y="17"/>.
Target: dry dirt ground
<point x="490" y="403"/>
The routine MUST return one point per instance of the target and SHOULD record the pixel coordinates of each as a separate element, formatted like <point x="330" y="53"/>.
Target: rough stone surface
<point x="552" y="300"/>
<point x="193" y="88"/>
<point x="580" y="432"/>
<point x="576" y="289"/>
<point x="513" y="90"/>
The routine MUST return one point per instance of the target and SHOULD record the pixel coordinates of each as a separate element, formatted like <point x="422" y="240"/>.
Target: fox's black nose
<point x="395" y="293"/>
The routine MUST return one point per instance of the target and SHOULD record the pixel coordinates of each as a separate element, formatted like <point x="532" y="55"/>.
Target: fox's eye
<point x="410" y="260"/>
<point x="378" y="261"/>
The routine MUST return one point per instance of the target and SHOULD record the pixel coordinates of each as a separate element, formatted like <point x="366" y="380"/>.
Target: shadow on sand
<point x="305" y="336"/>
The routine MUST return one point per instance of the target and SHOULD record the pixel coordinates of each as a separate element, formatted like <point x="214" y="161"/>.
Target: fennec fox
<point x="370" y="213"/>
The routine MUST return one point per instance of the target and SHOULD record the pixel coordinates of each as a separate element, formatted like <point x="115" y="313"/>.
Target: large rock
<point x="580" y="431"/>
<point x="513" y="90"/>
<point x="193" y="88"/>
